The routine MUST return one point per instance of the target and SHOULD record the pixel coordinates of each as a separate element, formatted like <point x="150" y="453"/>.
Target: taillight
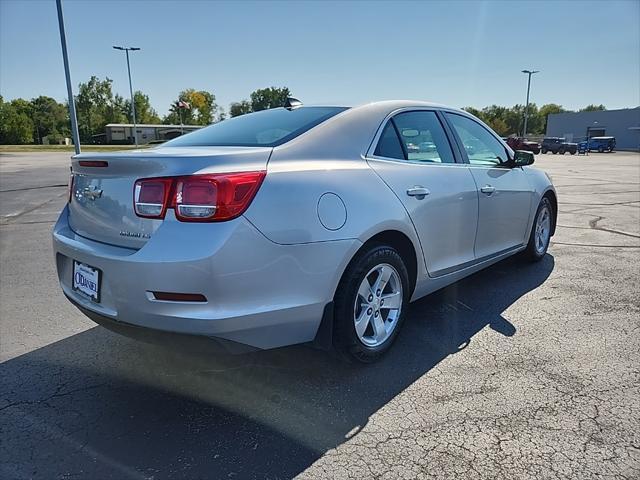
<point x="150" y="197"/>
<point x="197" y="198"/>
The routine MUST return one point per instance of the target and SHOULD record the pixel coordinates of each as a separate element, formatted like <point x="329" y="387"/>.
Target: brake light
<point x="150" y="197"/>
<point x="197" y="198"/>
<point x="93" y="163"/>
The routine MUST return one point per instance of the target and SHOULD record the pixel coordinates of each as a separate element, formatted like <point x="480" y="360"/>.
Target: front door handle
<point x="488" y="189"/>
<point x="417" y="191"/>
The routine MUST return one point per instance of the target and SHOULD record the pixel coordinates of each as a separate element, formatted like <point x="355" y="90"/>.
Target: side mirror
<point x="522" y="158"/>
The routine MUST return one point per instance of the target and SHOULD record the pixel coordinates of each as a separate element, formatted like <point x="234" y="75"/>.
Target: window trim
<point x="457" y="157"/>
<point x="463" y="151"/>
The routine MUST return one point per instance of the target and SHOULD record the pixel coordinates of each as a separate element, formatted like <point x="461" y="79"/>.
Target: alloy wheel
<point x="378" y="305"/>
<point x="543" y="230"/>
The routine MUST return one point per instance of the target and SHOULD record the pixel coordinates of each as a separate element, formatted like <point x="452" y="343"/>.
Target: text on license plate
<point x="86" y="279"/>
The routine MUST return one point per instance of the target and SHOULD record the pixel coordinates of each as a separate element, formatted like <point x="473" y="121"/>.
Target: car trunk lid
<point x="101" y="206"/>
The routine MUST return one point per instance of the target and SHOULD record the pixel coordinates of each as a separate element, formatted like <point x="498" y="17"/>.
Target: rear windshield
<point x="268" y="128"/>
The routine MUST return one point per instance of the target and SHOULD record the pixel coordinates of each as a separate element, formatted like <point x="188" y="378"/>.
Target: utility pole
<point x="133" y="103"/>
<point x="526" y="108"/>
<point x="65" y="58"/>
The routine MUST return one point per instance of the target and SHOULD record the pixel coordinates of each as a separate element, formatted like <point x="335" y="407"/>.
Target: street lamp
<point x="133" y="103"/>
<point x="526" y="108"/>
<point x="67" y="74"/>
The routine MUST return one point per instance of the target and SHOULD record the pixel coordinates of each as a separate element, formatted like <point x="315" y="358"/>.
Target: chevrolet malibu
<point x="302" y="224"/>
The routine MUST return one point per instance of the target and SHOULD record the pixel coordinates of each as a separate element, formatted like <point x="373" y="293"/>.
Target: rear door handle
<point x="488" y="189"/>
<point x="417" y="191"/>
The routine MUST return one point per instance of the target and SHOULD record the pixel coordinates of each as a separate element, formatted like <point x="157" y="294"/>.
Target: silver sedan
<point x="297" y="224"/>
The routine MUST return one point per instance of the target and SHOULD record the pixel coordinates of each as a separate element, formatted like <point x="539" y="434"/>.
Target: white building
<point x="122" y="133"/>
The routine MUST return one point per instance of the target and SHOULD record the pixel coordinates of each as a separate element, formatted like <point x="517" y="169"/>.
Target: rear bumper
<point x="259" y="293"/>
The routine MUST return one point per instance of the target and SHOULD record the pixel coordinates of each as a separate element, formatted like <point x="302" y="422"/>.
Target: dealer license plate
<point x="86" y="279"/>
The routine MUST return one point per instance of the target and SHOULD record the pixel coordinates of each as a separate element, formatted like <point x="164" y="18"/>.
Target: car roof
<point x="350" y="132"/>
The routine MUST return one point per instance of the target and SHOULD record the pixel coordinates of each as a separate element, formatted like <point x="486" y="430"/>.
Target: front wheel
<point x="370" y="303"/>
<point x="544" y="150"/>
<point x="600" y="149"/>
<point x="540" y="232"/>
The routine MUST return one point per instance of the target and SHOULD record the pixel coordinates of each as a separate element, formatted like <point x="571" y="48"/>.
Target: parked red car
<point x="519" y="143"/>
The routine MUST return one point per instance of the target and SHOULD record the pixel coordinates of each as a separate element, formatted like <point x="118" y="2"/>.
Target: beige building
<point x="122" y="133"/>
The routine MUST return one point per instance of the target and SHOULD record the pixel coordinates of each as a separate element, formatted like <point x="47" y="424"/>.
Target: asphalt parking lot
<point x="520" y="371"/>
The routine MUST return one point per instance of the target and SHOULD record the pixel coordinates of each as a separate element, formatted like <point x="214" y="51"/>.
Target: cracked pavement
<point x="520" y="371"/>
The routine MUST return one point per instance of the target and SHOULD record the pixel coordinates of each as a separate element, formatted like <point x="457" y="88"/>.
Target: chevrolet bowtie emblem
<point x="92" y="193"/>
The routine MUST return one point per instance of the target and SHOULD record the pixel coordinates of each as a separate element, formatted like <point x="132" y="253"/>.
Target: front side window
<point x="268" y="128"/>
<point x="482" y="148"/>
<point x="416" y="136"/>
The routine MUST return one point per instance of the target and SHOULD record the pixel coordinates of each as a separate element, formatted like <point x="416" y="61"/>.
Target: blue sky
<point x="457" y="52"/>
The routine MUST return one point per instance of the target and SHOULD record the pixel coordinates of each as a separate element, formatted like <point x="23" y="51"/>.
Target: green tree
<point x="473" y="111"/>
<point x="593" y="108"/>
<point x="144" y="111"/>
<point x="50" y="118"/>
<point x="271" y="97"/>
<point x="240" y="108"/>
<point x="203" y="108"/>
<point x="97" y="106"/>
<point x="16" y="126"/>
<point x="546" y="110"/>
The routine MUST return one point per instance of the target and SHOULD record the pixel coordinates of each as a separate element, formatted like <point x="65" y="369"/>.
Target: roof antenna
<point x="292" y="103"/>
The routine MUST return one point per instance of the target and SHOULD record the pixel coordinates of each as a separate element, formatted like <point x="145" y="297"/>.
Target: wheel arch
<point x="396" y="239"/>
<point x="400" y="242"/>
<point x="550" y="194"/>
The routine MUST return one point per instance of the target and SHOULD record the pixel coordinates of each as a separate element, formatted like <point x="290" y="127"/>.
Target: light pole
<point x="133" y="103"/>
<point x="67" y="74"/>
<point x="526" y="108"/>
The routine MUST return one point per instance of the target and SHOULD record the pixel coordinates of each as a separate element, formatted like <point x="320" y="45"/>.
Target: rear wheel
<point x="561" y="151"/>
<point x="370" y="303"/>
<point x="540" y="232"/>
<point x="601" y="149"/>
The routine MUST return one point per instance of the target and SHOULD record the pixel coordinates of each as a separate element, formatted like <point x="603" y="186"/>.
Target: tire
<point x="554" y="151"/>
<point x="544" y="150"/>
<point x="536" y="152"/>
<point x="561" y="151"/>
<point x="600" y="149"/>
<point x="536" y="251"/>
<point x="572" y="152"/>
<point x="367" y="344"/>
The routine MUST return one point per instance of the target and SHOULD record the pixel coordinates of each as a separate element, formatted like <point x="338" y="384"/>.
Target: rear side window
<point x="424" y="137"/>
<point x="389" y="144"/>
<point x="268" y="128"/>
<point x="416" y="136"/>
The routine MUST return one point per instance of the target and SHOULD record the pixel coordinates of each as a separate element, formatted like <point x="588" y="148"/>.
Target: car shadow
<point x="100" y="405"/>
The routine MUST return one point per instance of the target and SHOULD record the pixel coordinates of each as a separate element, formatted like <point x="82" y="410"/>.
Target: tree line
<point x="30" y="121"/>
<point x="507" y="121"/>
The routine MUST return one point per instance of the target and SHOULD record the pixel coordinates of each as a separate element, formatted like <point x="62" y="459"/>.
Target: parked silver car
<point x="299" y="224"/>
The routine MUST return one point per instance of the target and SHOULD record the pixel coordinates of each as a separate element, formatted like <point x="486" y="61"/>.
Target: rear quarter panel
<point x="285" y="209"/>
